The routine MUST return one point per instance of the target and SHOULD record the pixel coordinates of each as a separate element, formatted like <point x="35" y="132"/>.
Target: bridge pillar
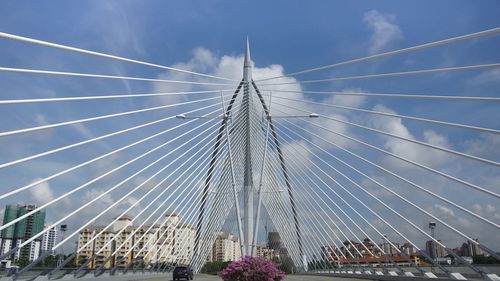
<point x="248" y="175"/>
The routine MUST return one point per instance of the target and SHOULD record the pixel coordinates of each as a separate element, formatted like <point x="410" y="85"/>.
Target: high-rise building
<point x="167" y="242"/>
<point x="226" y="248"/>
<point x="264" y="252"/>
<point x="390" y="249"/>
<point x="21" y="231"/>
<point x="49" y="240"/>
<point x="470" y="249"/>
<point x="274" y="241"/>
<point x="434" y="250"/>
<point x="184" y="242"/>
<point x="408" y="249"/>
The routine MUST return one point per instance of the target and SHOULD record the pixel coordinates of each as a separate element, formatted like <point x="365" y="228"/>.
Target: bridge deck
<point x="203" y="277"/>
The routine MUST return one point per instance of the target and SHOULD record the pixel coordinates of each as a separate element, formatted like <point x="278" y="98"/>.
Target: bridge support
<point x="248" y="175"/>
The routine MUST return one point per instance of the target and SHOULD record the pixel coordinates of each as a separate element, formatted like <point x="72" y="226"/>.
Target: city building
<point x="226" y="248"/>
<point x="435" y="250"/>
<point x="265" y="252"/>
<point x="330" y="253"/>
<point x="21" y="231"/>
<point x="49" y="240"/>
<point x="470" y="249"/>
<point x="274" y="241"/>
<point x="390" y="249"/>
<point x="166" y="242"/>
<point x="352" y="249"/>
<point x="368" y="246"/>
<point x="184" y="243"/>
<point x="408" y="249"/>
<point x="352" y="252"/>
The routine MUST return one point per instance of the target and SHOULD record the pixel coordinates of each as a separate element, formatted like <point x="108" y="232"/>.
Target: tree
<point x="49" y="261"/>
<point x="214" y="267"/>
<point x="72" y="262"/>
<point x="484" y="260"/>
<point x="252" y="269"/>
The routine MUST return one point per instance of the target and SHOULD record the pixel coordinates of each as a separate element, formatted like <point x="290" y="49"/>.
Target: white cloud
<point x="41" y="193"/>
<point x="202" y="61"/>
<point x="486" y="210"/>
<point x="93" y="193"/>
<point x="411" y="151"/>
<point x="348" y="100"/>
<point x="385" y="31"/>
<point x="486" y="145"/>
<point x="297" y="163"/>
<point x="41" y="120"/>
<point x="227" y="66"/>
<point x="443" y="211"/>
<point x="489" y="76"/>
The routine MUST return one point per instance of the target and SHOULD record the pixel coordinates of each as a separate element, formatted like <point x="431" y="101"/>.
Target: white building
<point x="6" y="245"/>
<point x="226" y="248"/>
<point x="49" y="240"/>
<point x="184" y="243"/>
<point x="35" y="247"/>
<point x="160" y="242"/>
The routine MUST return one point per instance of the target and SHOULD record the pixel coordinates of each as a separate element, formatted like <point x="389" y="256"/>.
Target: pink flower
<point x="252" y="269"/>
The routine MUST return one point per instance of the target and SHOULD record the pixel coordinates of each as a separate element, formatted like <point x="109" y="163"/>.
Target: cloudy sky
<point x="285" y="36"/>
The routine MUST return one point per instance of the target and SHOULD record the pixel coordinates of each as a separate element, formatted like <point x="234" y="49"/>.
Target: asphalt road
<point x="202" y="277"/>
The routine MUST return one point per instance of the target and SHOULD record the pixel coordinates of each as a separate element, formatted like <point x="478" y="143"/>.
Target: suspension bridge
<point x="240" y="155"/>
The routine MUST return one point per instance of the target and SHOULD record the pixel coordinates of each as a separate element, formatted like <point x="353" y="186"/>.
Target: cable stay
<point x="384" y="95"/>
<point x="445" y="123"/>
<point x="104" y="76"/>
<point x="479" y="34"/>
<point x="451" y="151"/>
<point x="88" y="52"/>
<point x="124" y="96"/>
<point x="101" y="117"/>
<point x="391" y="74"/>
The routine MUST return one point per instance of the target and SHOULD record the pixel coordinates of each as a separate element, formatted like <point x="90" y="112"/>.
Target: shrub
<point x="214" y="267"/>
<point x="252" y="269"/>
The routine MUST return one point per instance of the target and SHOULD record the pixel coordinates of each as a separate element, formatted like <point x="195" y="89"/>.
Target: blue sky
<point x="286" y="36"/>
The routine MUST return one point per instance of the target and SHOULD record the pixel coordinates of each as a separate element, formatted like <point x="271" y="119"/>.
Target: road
<point x="203" y="277"/>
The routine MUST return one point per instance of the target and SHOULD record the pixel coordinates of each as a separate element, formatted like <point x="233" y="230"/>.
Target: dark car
<point x="183" y="271"/>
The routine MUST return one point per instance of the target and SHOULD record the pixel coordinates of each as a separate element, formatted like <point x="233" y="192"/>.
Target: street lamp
<point x="432" y="226"/>
<point x="433" y="249"/>
<point x="183" y="116"/>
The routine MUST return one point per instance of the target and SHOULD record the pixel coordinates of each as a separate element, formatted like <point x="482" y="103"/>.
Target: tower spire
<point x="247" y="64"/>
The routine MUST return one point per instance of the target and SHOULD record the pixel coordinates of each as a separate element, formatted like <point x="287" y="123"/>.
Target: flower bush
<point x="252" y="269"/>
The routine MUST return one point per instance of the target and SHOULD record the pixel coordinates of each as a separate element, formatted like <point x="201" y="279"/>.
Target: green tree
<point x="484" y="260"/>
<point x="214" y="267"/>
<point x="71" y="263"/>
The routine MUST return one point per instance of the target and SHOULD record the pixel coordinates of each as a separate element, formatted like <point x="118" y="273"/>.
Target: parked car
<point x="183" y="271"/>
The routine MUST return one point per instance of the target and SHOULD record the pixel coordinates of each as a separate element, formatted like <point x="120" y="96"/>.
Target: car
<point x="183" y="271"/>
